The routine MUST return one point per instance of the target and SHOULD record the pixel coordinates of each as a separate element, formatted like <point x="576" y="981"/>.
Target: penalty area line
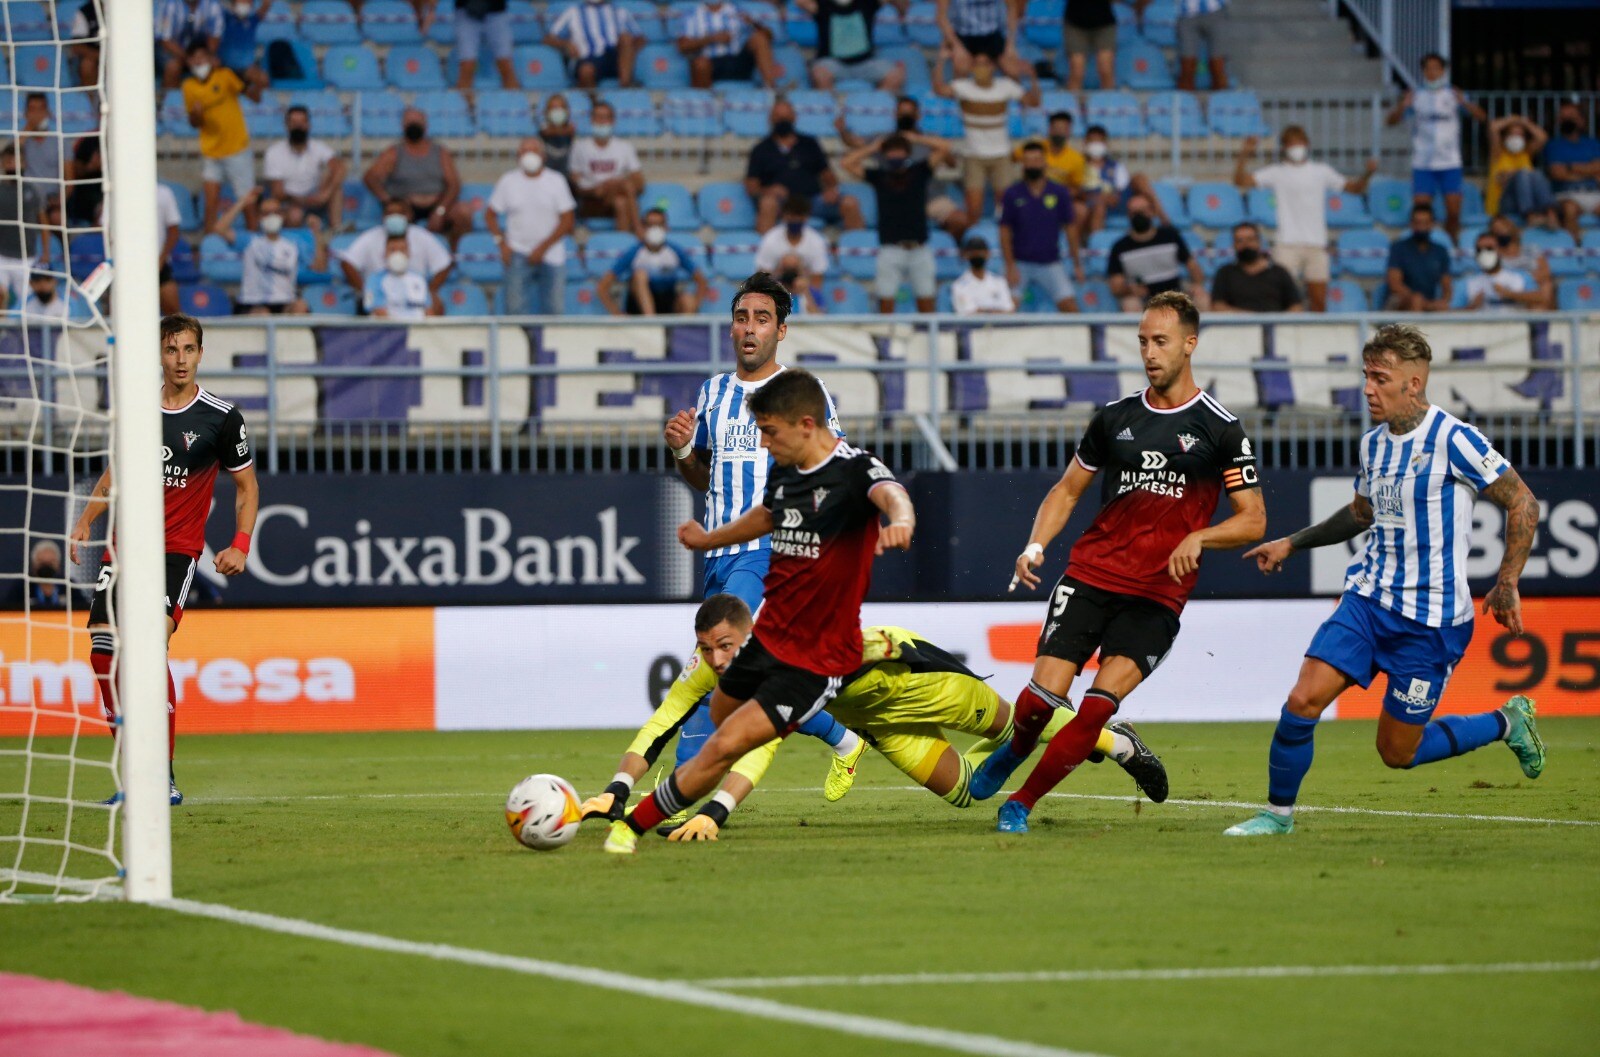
<point x="664" y="990"/>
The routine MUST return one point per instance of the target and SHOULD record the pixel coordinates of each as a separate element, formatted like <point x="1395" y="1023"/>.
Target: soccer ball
<point x="542" y="812"/>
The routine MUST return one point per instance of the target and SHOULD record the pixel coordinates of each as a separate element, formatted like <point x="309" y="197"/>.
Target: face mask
<point x="397" y="262"/>
<point x="978" y="261"/>
<point x="1140" y="222"/>
<point x="1058" y="142"/>
<point x="906" y="123"/>
<point x="557" y="116"/>
<point x="395" y="224"/>
<point x="415" y="132"/>
<point x="271" y="224"/>
<point x="531" y="161"/>
<point x="1488" y="260"/>
<point x="789" y="278"/>
<point x="795" y="228"/>
<point x="1095" y="150"/>
<point x="1514" y="144"/>
<point x="242" y="10"/>
<point x="45" y="297"/>
<point x="1249" y="255"/>
<point x="1570" y="128"/>
<point x="895" y="164"/>
<point x="299" y="137"/>
<point x="1423" y="237"/>
<point x="654" y="236"/>
<point x="1503" y="240"/>
<point x="1438" y="82"/>
<point x="783" y="128"/>
<point x="1032" y="174"/>
<point x="602" y="130"/>
<point x="202" y="71"/>
<point x="1297" y="153"/>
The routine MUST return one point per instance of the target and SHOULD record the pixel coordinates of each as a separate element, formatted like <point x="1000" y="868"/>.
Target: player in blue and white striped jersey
<point x="1407" y="608"/>
<point x="599" y="40"/>
<point x="724" y="43"/>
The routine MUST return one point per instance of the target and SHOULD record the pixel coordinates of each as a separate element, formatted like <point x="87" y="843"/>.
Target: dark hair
<point x="1101" y="129"/>
<point x="1033" y="144"/>
<point x="199" y="45"/>
<point x="908" y="99"/>
<point x="896" y="142"/>
<point x="178" y="323"/>
<point x="1404" y="341"/>
<point x="297" y="109"/>
<point x="1060" y="115"/>
<point x="764" y="283"/>
<point x="1422" y="207"/>
<point x="39" y="96"/>
<point x="1440" y="59"/>
<point x="720" y="608"/>
<point x="797" y="206"/>
<point x="1251" y="224"/>
<point x="1180" y="304"/>
<point x="656" y="209"/>
<point x="792" y="395"/>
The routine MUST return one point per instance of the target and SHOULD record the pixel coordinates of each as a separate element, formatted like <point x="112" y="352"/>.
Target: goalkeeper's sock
<point x="1069" y="748"/>
<point x="961" y="794"/>
<point x="1451" y="736"/>
<point x="667" y="800"/>
<point x="983" y="748"/>
<point x="718" y="807"/>
<point x="100" y="659"/>
<point x="621" y="788"/>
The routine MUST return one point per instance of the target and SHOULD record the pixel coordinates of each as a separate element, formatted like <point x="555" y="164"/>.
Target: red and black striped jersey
<point x="195" y="440"/>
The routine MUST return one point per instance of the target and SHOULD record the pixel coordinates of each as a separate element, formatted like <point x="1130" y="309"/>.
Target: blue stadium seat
<point x="1346" y="295"/>
<point x="478" y="258"/>
<point x="1041" y="24"/>
<point x="327" y="112"/>
<point x="648" y="16"/>
<point x="1389" y="201"/>
<point x="870" y="113"/>
<point x="413" y="68"/>
<point x="329" y="299"/>
<point x="1262" y="207"/>
<point x="791" y="63"/>
<point x="1096" y="296"/>
<point x="42" y="66"/>
<point x="800" y="28"/>
<point x="1216" y="205"/>
<point x="866" y="197"/>
<point x="448" y="113"/>
<point x="26" y="20"/>
<point x="1559" y="248"/>
<point x="443" y="29"/>
<point x="1055" y="100"/>
<point x="842" y="297"/>
<point x="918" y="79"/>
<point x="185" y="268"/>
<point x="1159" y="108"/>
<point x="204" y="300"/>
<point x="1172" y="201"/>
<point x="720" y="297"/>
<point x="1096" y="250"/>
<point x="279" y="23"/>
<point x="1574" y="294"/>
<point x="745" y="110"/>
<point x="733" y="253"/>
<point x="390" y="22"/>
<point x="660" y="66"/>
<point x="888" y="28"/>
<point x="1363" y="252"/>
<point x="814" y="112"/>
<point x="857" y="254"/>
<point x="1473" y="214"/>
<point x="462" y="298"/>
<point x="1590" y="245"/>
<point x="329" y="22"/>
<point x="189" y="216"/>
<point x="845" y="87"/>
<point x="504" y="113"/>
<point x="380" y="114"/>
<point x="219" y="261"/>
<point x="921" y="24"/>
<point x="1161" y="23"/>
<point x="1214" y="256"/>
<point x="947" y="262"/>
<point x="1119" y="112"/>
<point x="86" y="251"/>
<point x="539" y="67"/>
<point x="361" y="208"/>
<point x="1234" y="112"/>
<point x="1025" y="122"/>
<point x="263" y="119"/>
<point x="604" y="249"/>
<point x="675" y="199"/>
<point x="583" y="301"/>
<point x="476" y="197"/>
<point x="306" y="59"/>
<point x="1142" y="66"/>
<point x="76" y="114"/>
<point x="636" y="111"/>
<point x="171" y="120"/>
<point x="527" y="22"/>
<point x="942" y="117"/>
<point x="352" y="68"/>
<point x="691" y="112"/>
<point x="1346" y="210"/>
<point x="725" y="206"/>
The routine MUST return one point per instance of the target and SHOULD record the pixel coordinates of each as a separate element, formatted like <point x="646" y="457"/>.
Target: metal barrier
<point x="1403" y="31"/>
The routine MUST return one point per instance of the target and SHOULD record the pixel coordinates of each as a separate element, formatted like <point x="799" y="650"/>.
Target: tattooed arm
<point x="1347" y="523"/>
<point x="1522" y="519"/>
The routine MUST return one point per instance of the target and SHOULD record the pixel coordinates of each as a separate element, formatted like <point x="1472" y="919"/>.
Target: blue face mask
<point x="395" y="225"/>
<point x="1437" y="82"/>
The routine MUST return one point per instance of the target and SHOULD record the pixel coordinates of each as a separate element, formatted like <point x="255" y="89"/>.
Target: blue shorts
<point x="1363" y="638"/>
<point x="1432" y="182"/>
<point x="737" y="574"/>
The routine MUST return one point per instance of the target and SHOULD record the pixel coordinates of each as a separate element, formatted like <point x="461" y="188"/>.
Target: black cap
<point x="975" y="242"/>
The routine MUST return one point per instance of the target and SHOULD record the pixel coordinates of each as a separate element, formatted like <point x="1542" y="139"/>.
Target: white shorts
<point x="1309" y="264"/>
<point x="899" y="265"/>
<point x="1586" y="200"/>
<point x="238" y="171"/>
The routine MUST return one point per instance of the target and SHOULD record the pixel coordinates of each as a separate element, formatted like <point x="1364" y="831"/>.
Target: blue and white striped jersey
<point x="706" y="20"/>
<point x="595" y="28"/>
<point x="1421" y="486"/>
<point x="724" y="426"/>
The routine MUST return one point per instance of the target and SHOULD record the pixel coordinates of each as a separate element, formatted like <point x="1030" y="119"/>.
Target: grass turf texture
<point x="402" y="835"/>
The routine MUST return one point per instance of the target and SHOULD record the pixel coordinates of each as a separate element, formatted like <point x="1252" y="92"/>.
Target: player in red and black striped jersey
<point x="822" y="507"/>
<point x="199" y="434"/>
<point x="1168" y="454"/>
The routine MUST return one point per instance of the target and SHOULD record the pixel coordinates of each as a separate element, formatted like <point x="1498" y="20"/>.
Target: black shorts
<point x="740" y="66"/>
<point x="180" y="577"/>
<point x="242" y="309"/>
<point x="166" y="275"/>
<point x="1084" y="618"/>
<point x="788" y="695"/>
<point x="605" y="65"/>
<point x="665" y="302"/>
<point x="990" y="44"/>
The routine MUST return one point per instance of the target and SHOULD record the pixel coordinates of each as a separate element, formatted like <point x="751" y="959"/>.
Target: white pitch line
<point x="663" y="990"/>
<point x="1239" y="972"/>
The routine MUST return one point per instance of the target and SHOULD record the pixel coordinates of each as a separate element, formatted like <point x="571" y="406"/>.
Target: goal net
<point x="78" y="819"/>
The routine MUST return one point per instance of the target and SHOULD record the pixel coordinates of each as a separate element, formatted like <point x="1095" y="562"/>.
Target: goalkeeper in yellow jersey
<point x="905" y="697"/>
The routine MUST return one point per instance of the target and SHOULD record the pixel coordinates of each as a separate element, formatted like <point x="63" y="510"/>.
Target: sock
<point x="1289" y="759"/>
<point x="1458" y="735"/>
<point x="1033" y="713"/>
<point x="172" y="719"/>
<point x="980" y="750"/>
<point x="1069" y="748"/>
<point x="825" y="728"/>
<point x="621" y="788"/>
<point x="718" y="807"/>
<point x="847" y="744"/>
<point x="667" y="800"/>
<point x="961" y="794"/>
<point x="100" y="659"/>
<point x="1117" y="746"/>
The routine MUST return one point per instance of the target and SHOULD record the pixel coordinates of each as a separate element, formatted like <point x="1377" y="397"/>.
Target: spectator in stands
<point x="1436" y="137"/>
<point x="1107" y="183"/>
<point x="426" y="253"/>
<point x="659" y="276"/>
<point x="1063" y="162"/>
<point x="84" y="173"/>
<point x="723" y="43"/>
<point x="270" y="279"/>
<point x="1203" y="22"/>
<point x="1573" y="159"/>
<point x="399" y="291"/>
<point x="788" y="162"/>
<point x="180" y="24"/>
<point x="421" y="172"/>
<point x="1090" y="28"/>
<point x="1419" y="267"/>
<point x="477" y="20"/>
<point x="901" y="183"/>
<point x="84" y="46"/>
<point x="558" y="133"/>
<point x="981" y="27"/>
<point x="1496" y="288"/>
<point x="845" y="49"/>
<point x="44" y="300"/>
<point x="41" y="145"/>
<point x="984" y="98"/>
<point x="1513" y="184"/>
<point x="980" y="291"/>
<point x="305" y="174"/>
<point x="944" y="205"/>
<point x="599" y="39"/>
<point x="45" y="587"/>
<point x="793" y="247"/>
<point x="1034" y="213"/>
<point x="536" y="207"/>
<point x="1302" y="188"/>
<point x="1253" y="282"/>
<point x="236" y="50"/>
<point x="170" y="219"/>
<point x="606" y="173"/>
<point x="1516" y="257"/>
<point x="19" y="211"/>
<point x="211" y="96"/>
<point x="1150" y="259"/>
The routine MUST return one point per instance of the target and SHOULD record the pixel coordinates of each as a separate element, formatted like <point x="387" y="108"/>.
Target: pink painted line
<point x="48" y="1018"/>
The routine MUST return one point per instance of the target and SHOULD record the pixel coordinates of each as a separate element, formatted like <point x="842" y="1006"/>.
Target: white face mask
<point x="654" y="236"/>
<point x="603" y="130"/>
<point x="1437" y="82"/>
<point x="202" y="71"/>
<point x="532" y="162"/>
<point x="1514" y="144"/>
<point x="1488" y="260"/>
<point x="1297" y="153"/>
<point x="272" y="223"/>
<point x="1095" y="149"/>
<point x="242" y="10"/>
<point x="397" y="262"/>
<point x="558" y="115"/>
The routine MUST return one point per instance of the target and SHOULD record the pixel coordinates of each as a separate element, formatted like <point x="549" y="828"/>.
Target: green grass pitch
<point x="402" y="835"/>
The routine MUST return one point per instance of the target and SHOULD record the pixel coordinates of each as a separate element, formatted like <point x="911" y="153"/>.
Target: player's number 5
<point x="104" y="581"/>
<point x="1058" y="604"/>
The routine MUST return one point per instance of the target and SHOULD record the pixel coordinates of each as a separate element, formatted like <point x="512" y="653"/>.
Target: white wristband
<point x="1033" y="551"/>
<point x="684" y="452"/>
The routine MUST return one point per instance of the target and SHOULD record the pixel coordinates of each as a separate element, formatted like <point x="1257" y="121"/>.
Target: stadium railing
<point x="1402" y="30"/>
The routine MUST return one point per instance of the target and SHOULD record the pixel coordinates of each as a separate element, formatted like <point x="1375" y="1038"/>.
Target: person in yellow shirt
<point x="1063" y="162"/>
<point x="211" y="97"/>
<point x="1514" y="185"/>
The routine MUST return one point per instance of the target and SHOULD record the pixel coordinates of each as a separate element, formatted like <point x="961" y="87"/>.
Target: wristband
<point x="684" y="452"/>
<point x="1033" y="551"/>
<point x="241" y="542"/>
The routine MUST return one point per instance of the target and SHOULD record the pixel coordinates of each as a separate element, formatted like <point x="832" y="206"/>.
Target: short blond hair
<point x="1402" y="340"/>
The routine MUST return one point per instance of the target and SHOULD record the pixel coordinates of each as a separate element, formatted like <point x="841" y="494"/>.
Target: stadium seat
<point x="1234" y="112"/>
<point x="448" y="114"/>
<point x="1566" y="260"/>
<point x="352" y="68"/>
<point x="185" y="268"/>
<point x="857" y="254"/>
<point x="918" y="79"/>
<point x="691" y="112"/>
<point x="1215" y="255"/>
<point x="42" y="66"/>
<point x="745" y="110"/>
<point x="1473" y="214"/>
<point x="636" y="111"/>
<point x="26" y="20"/>
<point x="1054" y="100"/>
<point x="1159" y="109"/>
<point x="86" y="251"/>
<point x="1262" y="207"/>
<point x="721" y="296"/>
<point x="1346" y="210"/>
<point x="279" y="23"/>
<point x="1143" y="67"/>
<point x="814" y="112"/>
<point x="1216" y="205"/>
<point x="390" y="22"/>
<point x="504" y="113"/>
<point x="462" y="298"/>
<point x="413" y="68"/>
<point x="733" y="253"/>
<point x="478" y="258"/>
<point x="361" y="208"/>
<point x="305" y="60"/>
<point x="443" y="29"/>
<point x="841" y="297"/>
<point x="604" y="249"/>
<point x="329" y="22"/>
<point x="1096" y="249"/>
<point x="942" y="117"/>
<point x="171" y="119"/>
<point x="947" y="262"/>
<point x="1576" y="294"/>
<point x="581" y="300"/>
<point x="800" y="28"/>
<point x="660" y="66"/>
<point x="1161" y="23"/>
<point x="204" y="300"/>
<point x="219" y="261"/>
<point x="328" y="118"/>
<point x="1118" y="112"/>
<point x="1096" y="296"/>
<point x="866" y="197"/>
<point x="1041" y="24"/>
<point x="791" y="63"/>
<point x="76" y="114"/>
<point x="1389" y="201"/>
<point x="1346" y="295"/>
<point x="380" y="114"/>
<point x="189" y="216"/>
<point x="888" y="29"/>
<point x="870" y="113"/>
<point x="651" y="26"/>
<point x="725" y="206"/>
<point x="1172" y="202"/>
<point x="539" y="67"/>
<point x="675" y="199"/>
<point x="527" y="22"/>
<point x="264" y="120"/>
<point x="1363" y="252"/>
<point x="476" y="197"/>
<point x="330" y="299"/>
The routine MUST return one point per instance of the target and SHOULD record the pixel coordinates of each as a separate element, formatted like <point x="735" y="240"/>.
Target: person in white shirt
<point x="397" y="292"/>
<point x="305" y="174"/>
<point x="793" y="247"/>
<point x="1302" y="187"/>
<point x="1496" y="288"/>
<point x="980" y="291"/>
<point x="1436" y="110"/>
<point x="659" y="278"/>
<point x="170" y="219"/>
<point x="365" y="257"/>
<point x="984" y="99"/>
<point x="538" y="211"/>
<point x="44" y="300"/>
<point x="269" y="283"/>
<point x="606" y="172"/>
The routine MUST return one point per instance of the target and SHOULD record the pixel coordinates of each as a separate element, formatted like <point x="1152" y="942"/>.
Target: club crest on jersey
<point x="189" y="439"/>
<point x="818" y="496"/>
<point x="1185" y="441"/>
